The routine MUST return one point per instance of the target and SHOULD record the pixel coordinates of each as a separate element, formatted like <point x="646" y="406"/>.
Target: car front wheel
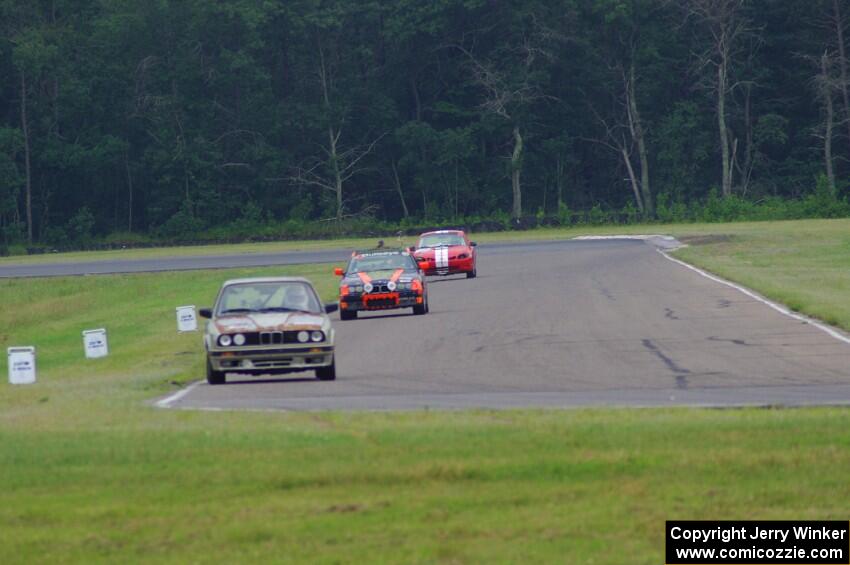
<point x="423" y="308"/>
<point x="215" y="377"/>
<point x="347" y="314"/>
<point x="327" y="373"/>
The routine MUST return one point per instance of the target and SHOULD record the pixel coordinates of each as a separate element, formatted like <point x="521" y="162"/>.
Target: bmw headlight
<point x="303" y="336"/>
<point x="239" y="339"/>
<point x="368" y="287"/>
<point x="358" y="288"/>
<point x="404" y="286"/>
<point x="316" y="336"/>
<point x="225" y="340"/>
<point x="391" y="286"/>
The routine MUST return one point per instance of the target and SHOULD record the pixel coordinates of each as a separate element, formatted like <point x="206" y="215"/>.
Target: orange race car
<point x="381" y="280"/>
<point x="446" y="252"/>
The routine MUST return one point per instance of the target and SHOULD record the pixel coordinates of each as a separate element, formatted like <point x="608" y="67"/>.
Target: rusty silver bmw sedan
<point x="270" y="325"/>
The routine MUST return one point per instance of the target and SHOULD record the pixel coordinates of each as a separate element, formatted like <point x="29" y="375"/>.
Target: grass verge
<point x="576" y="486"/>
<point x="90" y="472"/>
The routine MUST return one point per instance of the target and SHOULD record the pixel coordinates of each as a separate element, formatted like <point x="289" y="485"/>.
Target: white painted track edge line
<point x="639" y="237"/>
<point x="755" y="296"/>
<point x="169" y="400"/>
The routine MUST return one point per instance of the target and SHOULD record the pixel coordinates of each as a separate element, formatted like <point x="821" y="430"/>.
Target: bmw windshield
<point x="268" y="297"/>
<point x="368" y="263"/>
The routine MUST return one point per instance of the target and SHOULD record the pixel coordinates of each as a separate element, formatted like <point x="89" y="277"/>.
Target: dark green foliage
<point x="195" y="120"/>
<point x="80" y="226"/>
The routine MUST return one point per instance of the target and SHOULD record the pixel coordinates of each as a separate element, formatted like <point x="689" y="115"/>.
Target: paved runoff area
<point x="563" y="324"/>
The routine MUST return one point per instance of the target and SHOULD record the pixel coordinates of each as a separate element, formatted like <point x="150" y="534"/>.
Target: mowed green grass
<point x="90" y="471"/>
<point x="546" y="486"/>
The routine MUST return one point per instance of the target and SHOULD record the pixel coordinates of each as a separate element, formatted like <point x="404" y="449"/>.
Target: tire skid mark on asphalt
<point x="741" y="342"/>
<point x="680" y="372"/>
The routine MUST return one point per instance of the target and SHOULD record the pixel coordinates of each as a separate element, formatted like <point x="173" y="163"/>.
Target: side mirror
<point x="205" y="313"/>
<point x="473" y="244"/>
<point x="412" y="249"/>
<point x="331" y="307"/>
<point x="339" y="272"/>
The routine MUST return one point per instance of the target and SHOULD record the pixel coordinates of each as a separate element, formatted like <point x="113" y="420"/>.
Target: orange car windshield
<point x="380" y="263"/>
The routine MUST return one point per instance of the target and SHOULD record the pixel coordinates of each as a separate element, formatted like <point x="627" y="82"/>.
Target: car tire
<point x="327" y="373"/>
<point x="348" y="314"/>
<point x="215" y="377"/>
<point x="473" y="273"/>
<point x="421" y="309"/>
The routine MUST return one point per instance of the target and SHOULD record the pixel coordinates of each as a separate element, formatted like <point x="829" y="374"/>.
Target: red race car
<point x="446" y="252"/>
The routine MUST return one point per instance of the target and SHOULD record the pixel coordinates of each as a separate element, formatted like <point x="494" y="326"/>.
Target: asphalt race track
<point x="196" y="262"/>
<point x="559" y="324"/>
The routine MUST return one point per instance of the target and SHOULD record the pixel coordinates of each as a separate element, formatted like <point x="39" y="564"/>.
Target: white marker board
<point x="186" y="319"/>
<point x="95" y="344"/>
<point x="21" y="365"/>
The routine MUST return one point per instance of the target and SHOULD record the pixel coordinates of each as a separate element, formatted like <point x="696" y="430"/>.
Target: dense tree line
<point x="172" y="116"/>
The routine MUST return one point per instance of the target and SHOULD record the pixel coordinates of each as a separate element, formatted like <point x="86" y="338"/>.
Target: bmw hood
<point x="269" y="321"/>
<point x="378" y="276"/>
